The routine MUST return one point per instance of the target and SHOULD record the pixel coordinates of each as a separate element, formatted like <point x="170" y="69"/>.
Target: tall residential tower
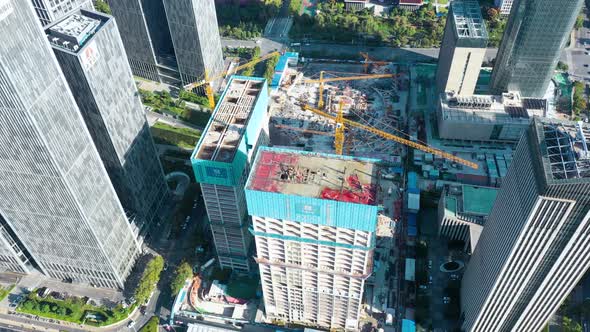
<point x="535" y="246"/>
<point x="535" y="34"/>
<point x="314" y="220"/>
<point x="195" y="35"/>
<point x="463" y="48"/>
<point x="90" y="52"/>
<point x="56" y="197"/>
<point x="221" y="162"/>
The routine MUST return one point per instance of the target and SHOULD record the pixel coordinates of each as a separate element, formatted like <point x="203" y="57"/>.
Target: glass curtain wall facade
<point x="536" y="32"/>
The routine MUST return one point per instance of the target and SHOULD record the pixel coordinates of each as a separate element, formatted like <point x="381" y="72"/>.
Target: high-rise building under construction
<point x="314" y="220"/>
<point x="221" y="162"/>
<point x="534" y="247"/>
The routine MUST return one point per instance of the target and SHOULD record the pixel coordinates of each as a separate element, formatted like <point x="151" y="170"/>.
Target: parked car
<point x="131" y="324"/>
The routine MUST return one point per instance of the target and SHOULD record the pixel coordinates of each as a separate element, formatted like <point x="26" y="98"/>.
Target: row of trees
<point x="149" y="279"/>
<point x="245" y="21"/>
<point x="270" y="68"/>
<point x="422" y="28"/>
<point x="580" y="104"/>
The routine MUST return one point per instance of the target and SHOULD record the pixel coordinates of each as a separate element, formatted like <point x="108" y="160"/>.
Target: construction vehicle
<point x="323" y="80"/>
<point x="208" y="80"/>
<point x="368" y="61"/>
<point x="342" y="122"/>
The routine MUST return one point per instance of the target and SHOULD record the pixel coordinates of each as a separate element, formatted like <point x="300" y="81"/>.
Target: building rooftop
<point x="308" y="174"/>
<point x="468" y="20"/>
<point x="564" y="146"/>
<point x="508" y="107"/>
<point x="478" y="200"/>
<point x="469" y="203"/>
<point x="230" y="119"/>
<point x="73" y="31"/>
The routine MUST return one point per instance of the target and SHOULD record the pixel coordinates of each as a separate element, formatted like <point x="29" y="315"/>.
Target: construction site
<point x="375" y="95"/>
<point x="343" y="137"/>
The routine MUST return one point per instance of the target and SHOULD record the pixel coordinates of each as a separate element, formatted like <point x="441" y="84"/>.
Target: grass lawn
<point x="181" y="137"/>
<point x="242" y="288"/>
<point x="5" y="291"/>
<point x="73" y="310"/>
<point x="195" y="117"/>
<point x="442" y="2"/>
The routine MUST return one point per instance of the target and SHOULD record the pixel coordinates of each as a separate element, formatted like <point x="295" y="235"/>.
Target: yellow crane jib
<point x="207" y="80"/>
<point x="323" y="80"/>
<point x="392" y="137"/>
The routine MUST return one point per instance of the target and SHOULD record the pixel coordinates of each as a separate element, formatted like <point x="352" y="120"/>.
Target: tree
<point x="562" y="66"/>
<point x="579" y="103"/>
<point x="493" y="14"/>
<point x="270" y="68"/>
<point x="149" y="279"/>
<point x="183" y="272"/>
<point x="151" y="326"/>
<point x="102" y="7"/>
<point x="570" y="326"/>
<point x="579" y="22"/>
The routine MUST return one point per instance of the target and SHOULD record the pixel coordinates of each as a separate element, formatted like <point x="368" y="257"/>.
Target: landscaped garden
<point x="81" y="310"/>
<point x="182" y="137"/>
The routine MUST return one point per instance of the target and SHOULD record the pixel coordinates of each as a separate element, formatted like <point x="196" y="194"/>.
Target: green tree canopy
<point x="183" y="272"/>
<point x="102" y="7"/>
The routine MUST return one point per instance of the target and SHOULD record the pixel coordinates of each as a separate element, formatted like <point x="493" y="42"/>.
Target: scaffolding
<point x="468" y="20"/>
<point x="567" y="149"/>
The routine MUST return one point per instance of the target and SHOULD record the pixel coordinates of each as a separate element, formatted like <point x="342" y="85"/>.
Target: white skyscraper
<point x="535" y="246"/>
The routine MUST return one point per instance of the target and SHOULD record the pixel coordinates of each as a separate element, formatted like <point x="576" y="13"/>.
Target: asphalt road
<point x="323" y="49"/>
<point x="576" y="57"/>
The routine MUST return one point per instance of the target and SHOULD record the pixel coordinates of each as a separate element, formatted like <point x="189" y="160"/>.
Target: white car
<point x="131" y="324"/>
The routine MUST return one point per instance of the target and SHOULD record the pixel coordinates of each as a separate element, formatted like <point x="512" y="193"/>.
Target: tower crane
<point x="341" y="122"/>
<point x="207" y="80"/>
<point x="323" y="80"/>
